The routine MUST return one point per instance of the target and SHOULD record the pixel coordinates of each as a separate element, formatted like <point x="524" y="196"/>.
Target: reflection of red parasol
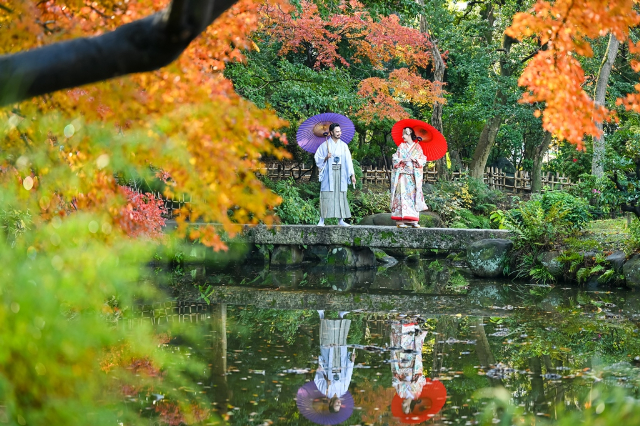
<point x="433" y="143"/>
<point x="312" y="405"/>
<point x="432" y="399"/>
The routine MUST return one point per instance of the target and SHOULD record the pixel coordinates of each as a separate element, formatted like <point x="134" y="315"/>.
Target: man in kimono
<point x="333" y="159"/>
<point x="335" y="363"/>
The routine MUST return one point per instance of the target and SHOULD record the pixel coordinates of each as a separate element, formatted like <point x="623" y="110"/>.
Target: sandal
<point x="416" y="225"/>
<point x="401" y="225"/>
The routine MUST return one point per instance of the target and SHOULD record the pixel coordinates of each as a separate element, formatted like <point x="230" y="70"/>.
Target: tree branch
<point x="141" y="46"/>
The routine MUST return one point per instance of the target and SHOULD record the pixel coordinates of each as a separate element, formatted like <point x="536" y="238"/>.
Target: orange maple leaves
<point x="185" y="118"/>
<point x="384" y="95"/>
<point x="554" y="76"/>
<point x="375" y="42"/>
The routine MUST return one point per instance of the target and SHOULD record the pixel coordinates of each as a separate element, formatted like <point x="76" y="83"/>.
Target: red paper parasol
<point x="432" y="398"/>
<point x="433" y="143"/>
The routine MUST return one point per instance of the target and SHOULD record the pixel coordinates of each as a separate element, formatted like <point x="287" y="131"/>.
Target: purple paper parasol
<point x="315" y="130"/>
<point x="311" y="405"/>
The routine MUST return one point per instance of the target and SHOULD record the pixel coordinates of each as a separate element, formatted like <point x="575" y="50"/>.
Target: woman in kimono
<point x="406" y="362"/>
<point x="335" y="364"/>
<point x="407" y="200"/>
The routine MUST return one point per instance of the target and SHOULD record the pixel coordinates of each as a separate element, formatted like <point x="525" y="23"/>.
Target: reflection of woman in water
<point x="406" y="362"/>
<point x="327" y="400"/>
<point x="417" y="397"/>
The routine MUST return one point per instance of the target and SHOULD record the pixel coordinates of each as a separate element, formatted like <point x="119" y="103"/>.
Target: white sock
<point x="343" y="313"/>
<point x="321" y="313"/>
<point x="343" y="223"/>
<point x="321" y="223"/>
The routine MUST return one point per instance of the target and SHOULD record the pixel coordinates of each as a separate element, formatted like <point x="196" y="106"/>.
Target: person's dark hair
<point x="333" y="126"/>
<point x="332" y="401"/>
<point x="413" y="134"/>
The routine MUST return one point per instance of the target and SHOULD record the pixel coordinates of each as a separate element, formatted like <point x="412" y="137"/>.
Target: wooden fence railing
<point x="495" y="178"/>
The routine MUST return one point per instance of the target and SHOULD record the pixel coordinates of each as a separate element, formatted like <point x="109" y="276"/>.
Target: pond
<point x="542" y="350"/>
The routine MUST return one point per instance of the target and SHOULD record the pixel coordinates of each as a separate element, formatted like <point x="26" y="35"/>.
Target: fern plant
<point x="583" y="274"/>
<point x="607" y="276"/>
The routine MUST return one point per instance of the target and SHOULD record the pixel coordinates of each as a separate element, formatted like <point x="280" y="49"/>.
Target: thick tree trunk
<point x="597" y="165"/>
<point x="490" y="130"/>
<point x="483" y="149"/>
<point x="538" y="155"/>
<point x="141" y="46"/>
<point x="438" y="79"/>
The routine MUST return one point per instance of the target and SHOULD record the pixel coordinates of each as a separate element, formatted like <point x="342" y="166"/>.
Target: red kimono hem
<point x="404" y="218"/>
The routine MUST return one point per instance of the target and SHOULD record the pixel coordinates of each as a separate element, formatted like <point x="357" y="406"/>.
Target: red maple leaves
<point x="377" y="43"/>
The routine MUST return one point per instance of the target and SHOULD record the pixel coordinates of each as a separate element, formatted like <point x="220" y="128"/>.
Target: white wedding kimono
<point x="337" y="149"/>
<point x="335" y="178"/>
<point x="338" y="378"/>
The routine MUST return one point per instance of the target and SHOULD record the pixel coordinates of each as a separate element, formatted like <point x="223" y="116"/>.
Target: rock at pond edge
<point x="631" y="271"/>
<point x="617" y="260"/>
<point x="351" y="257"/>
<point x="286" y="255"/>
<point x="549" y="260"/>
<point x="488" y="257"/>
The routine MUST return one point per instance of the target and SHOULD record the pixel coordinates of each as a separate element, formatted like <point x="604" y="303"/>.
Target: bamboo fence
<point x="495" y="178"/>
<point x="519" y="182"/>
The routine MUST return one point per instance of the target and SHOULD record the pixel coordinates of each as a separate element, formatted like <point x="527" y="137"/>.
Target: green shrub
<point x="357" y="169"/>
<point x="577" y="211"/>
<point x="294" y="210"/>
<point x="469" y="197"/>
<point x="482" y="195"/>
<point x="447" y="199"/>
<point x="367" y="203"/>
<point x="535" y="227"/>
<point x="634" y="236"/>
<point x="467" y="219"/>
<point x="601" y="194"/>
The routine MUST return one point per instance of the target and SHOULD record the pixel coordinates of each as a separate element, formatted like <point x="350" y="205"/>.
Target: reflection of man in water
<point x="335" y="364"/>
<point x="406" y="363"/>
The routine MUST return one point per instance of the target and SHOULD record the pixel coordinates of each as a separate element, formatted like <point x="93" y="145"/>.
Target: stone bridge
<point x="451" y="239"/>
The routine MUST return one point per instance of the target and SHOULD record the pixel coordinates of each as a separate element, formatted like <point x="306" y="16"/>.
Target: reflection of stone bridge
<point x="426" y="305"/>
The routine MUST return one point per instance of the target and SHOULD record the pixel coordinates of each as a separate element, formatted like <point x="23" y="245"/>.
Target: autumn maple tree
<point x="169" y="118"/>
<point x="555" y="77"/>
<point x="375" y="43"/>
<point x="76" y="267"/>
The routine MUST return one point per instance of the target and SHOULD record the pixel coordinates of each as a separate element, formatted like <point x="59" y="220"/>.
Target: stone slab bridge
<point x="350" y="246"/>
<point x="449" y="239"/>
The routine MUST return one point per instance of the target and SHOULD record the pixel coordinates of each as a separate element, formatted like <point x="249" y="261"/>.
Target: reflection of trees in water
<point x="446" y="328"/>
<point x="218" y="358"/>
<point x="566" y="338"/>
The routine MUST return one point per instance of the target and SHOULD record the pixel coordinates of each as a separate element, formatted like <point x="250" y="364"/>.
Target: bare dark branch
<point x="141" y="46"/>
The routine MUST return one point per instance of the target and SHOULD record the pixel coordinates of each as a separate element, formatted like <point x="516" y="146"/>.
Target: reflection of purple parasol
<point x="315" y="130"/>
<point x="311" y="404"/>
